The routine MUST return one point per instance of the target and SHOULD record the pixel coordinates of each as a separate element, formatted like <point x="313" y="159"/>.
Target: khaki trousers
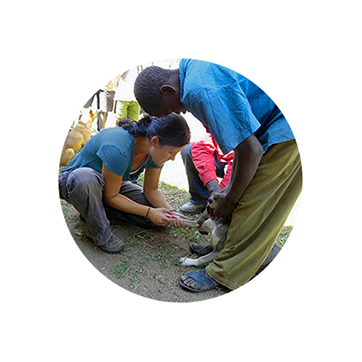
<point x="259" y="216"/>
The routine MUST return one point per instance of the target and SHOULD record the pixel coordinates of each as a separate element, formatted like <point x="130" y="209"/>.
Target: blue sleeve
<point x="114" y="159"/>
<point x="226" y="112"/>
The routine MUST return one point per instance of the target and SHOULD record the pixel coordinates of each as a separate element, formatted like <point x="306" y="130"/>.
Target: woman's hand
<point x="158" y="217"/>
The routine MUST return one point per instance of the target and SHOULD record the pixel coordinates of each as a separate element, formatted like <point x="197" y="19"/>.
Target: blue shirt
<point x="230" y="106"/>
<point x="113" y="147"/>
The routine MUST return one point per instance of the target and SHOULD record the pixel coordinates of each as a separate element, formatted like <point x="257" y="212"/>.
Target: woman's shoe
<point x="114" y="245"/>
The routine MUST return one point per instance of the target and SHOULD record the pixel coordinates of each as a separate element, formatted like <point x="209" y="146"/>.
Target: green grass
<point x="121" y="270"/>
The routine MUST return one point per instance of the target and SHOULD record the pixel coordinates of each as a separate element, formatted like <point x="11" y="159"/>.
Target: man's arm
<point x="246" y="160"/>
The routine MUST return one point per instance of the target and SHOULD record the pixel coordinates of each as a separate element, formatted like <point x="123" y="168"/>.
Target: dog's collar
<point x="85" y="125"/>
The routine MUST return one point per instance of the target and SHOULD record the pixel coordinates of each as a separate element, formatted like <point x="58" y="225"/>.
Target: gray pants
<point x="83" y="188"/>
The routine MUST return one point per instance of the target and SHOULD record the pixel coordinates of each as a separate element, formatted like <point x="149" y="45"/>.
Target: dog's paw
<point x="188" y="261"/>
<point x="183" y="260"/>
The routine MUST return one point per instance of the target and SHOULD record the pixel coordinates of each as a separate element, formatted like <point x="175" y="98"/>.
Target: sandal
<point x="201" y="281"/>
<point x="201" y="249"/>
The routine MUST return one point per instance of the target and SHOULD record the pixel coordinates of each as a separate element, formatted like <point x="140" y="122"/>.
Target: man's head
<point x="157" y="90"/>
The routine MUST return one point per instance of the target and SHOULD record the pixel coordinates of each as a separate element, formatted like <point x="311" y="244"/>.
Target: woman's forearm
<point x="156" y="199"/>
<point x="123" y="203"/>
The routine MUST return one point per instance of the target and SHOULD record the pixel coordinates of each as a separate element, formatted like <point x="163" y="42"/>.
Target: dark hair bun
<point x="172" y="130"/>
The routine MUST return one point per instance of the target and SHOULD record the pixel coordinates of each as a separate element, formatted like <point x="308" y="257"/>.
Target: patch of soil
<point x="149" y="265"/>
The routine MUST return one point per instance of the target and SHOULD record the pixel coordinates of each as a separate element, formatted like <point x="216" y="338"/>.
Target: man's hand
<point x="247" y="156"/>
<point x="213" y="187"/>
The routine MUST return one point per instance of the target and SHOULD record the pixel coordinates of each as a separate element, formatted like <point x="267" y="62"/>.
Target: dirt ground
<point x="149" y="265"/>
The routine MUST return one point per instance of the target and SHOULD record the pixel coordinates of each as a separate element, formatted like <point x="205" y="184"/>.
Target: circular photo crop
<point x="179" y="180"/>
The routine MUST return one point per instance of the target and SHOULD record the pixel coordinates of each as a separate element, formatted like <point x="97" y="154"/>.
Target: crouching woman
<point x="98" y="182"/>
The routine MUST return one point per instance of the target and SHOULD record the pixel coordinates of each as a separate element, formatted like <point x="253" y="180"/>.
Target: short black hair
<point x="147" y="87"/>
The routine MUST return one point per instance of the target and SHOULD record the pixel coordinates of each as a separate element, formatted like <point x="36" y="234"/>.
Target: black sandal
<point x="200" y="281"/>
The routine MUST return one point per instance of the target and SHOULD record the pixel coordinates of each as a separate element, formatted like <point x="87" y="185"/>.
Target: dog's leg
<point x="207" y="227"/>
<point x="199" y="262"/>
<point x="219" y="235"/>
<point x="188" y="261"/>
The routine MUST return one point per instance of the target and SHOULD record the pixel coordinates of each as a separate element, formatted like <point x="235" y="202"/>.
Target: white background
<point x="290" y="71"/>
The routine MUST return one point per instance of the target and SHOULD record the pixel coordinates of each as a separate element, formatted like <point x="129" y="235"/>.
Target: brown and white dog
<point x="77" y="137"/>
<point x="218" y="233"/>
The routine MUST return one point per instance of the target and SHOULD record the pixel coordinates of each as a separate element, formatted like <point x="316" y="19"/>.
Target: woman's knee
<point x="85" y="180"/>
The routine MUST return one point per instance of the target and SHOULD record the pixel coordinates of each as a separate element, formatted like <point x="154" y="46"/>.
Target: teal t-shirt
<point x="114" y="147"/>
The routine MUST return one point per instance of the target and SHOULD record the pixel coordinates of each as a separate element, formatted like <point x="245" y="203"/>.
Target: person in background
<point x="204" y="163"/>
<point x="126" y="105"/>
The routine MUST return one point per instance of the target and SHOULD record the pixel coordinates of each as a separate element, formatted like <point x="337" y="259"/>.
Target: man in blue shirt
<point x="266" y="177"/>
